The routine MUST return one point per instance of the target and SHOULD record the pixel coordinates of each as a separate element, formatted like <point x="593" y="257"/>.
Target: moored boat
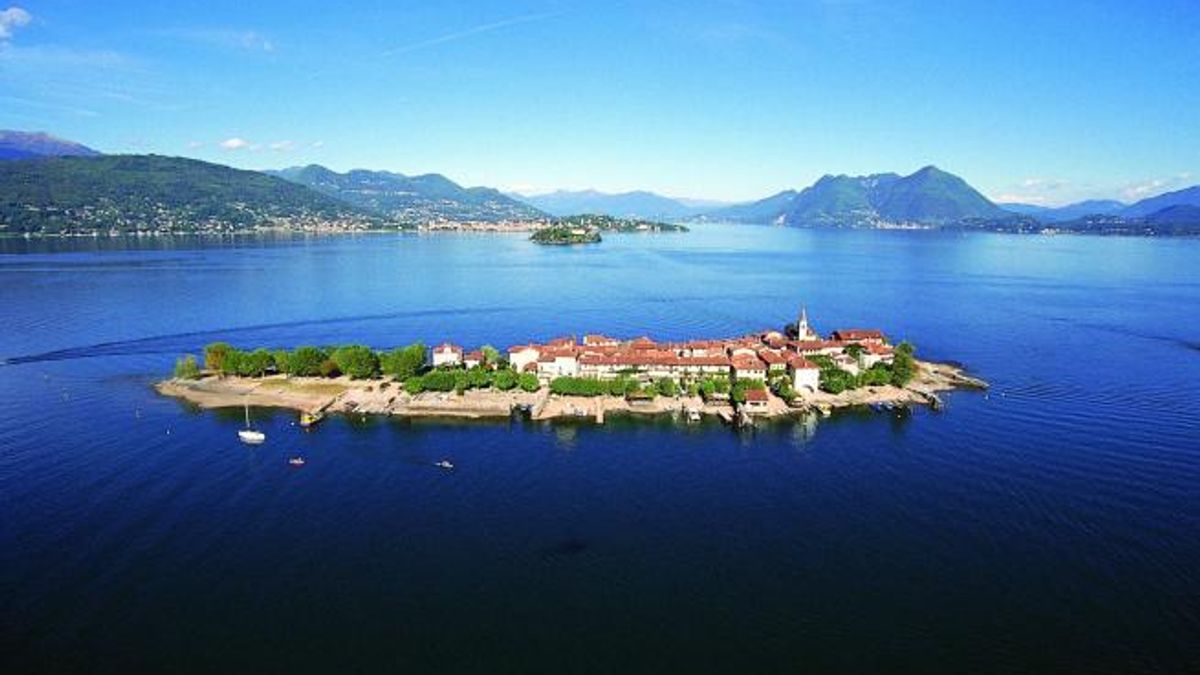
<point x="250" y="435"/>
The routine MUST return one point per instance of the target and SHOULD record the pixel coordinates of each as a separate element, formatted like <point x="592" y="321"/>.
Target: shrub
<point x="414" y="385"/>
<point x="505" y="380"/>
<point x="622" y="386"/>
<point x="528" y="382"/>
<point x="667" y="387"/>
<point x="439" y="380"/>
<point x="578" y="386"/>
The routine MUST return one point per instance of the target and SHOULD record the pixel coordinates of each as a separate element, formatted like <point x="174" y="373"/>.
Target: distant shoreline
<point x="499" y="228"/>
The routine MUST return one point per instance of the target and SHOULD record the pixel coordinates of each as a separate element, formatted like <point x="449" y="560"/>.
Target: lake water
<point x="1051" y="525"/>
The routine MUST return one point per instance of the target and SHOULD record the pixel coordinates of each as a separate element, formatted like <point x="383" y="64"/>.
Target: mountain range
<point x="28" y="144"/>
<point x="411" y="199"/>
<point x="48" y="184"/>
<point x="637" y="204"/>
<point x="928" y="196"/>
<point x="1056" y="214"/>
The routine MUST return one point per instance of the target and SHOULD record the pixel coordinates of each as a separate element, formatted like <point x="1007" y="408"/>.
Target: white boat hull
<point x="251" y="437"/>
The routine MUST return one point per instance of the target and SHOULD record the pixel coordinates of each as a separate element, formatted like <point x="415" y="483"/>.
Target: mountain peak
<point x="29" y="144"/>
<point x="928" y="196"/>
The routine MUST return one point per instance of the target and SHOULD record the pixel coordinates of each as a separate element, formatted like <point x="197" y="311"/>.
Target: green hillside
<point x="413" y="199"/>
<point x="150" y="192"/>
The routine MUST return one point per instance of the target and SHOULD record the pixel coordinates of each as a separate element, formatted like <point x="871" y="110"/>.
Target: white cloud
<point x="1150" y="187"/>
<point x="317" y="145"/>
<point x="282" y="146"/>
<point x="235" y="144"/>
<point x="11" y="19"/>
<point x="1019" y="198"/>
<point x="192" y="145"/>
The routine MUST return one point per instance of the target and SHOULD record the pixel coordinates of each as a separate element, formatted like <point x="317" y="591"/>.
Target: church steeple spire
<point x="803" y="330"/>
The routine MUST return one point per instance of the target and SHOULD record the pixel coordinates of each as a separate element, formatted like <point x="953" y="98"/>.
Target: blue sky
<point x="1043" y="102"/>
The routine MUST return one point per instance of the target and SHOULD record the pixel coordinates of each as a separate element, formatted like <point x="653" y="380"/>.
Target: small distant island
<point x="562" y="235"/>
<point x="768" y="374"/>
<point x="585" y="229"/>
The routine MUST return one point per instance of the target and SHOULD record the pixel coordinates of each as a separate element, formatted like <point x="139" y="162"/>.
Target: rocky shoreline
<point x="385" y="397"/>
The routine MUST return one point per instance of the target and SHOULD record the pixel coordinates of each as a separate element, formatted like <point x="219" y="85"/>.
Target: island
<point x="560" y="235"/>
<point x="585" y="229"/>
<point x="761" y="375"/>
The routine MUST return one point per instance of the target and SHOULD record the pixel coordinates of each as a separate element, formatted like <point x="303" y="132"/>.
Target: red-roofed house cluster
<point x="757" y="356"/>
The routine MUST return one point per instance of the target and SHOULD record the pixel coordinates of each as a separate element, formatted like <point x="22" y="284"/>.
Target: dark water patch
<point x="568" y="548"/>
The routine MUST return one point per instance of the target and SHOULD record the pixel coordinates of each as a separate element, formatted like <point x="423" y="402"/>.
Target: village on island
<point x="766" y="374"/>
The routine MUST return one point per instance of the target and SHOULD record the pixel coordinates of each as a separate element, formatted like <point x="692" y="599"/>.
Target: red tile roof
<point x="756" y="395"/>
<point x="747" y="362"/>
<point x="772" y="358"/>
<point x="858" y="334"/>
<point x="797" y="362"/>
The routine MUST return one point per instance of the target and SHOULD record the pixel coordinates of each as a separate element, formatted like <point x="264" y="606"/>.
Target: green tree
<point x="737" y="392"/>
<point x="306" y="361"/>
<point x="214" y="355"/>
<point x="231" y="361"/>
<point x="904" y="364"/>
<point x="280" y="361"/>
<point x="491" y="355"/>
<point x="357" y="361"/>
<point x="255" y="363"/>
<point x="186" y="368"/>
<point x="404" y="362"/>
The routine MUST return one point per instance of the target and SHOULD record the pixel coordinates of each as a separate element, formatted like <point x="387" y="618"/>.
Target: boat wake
<point x="182" y="342"/>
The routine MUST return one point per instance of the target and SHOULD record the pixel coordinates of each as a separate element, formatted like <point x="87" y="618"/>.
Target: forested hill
<point x="155" y="193"/>
<point x="417" y="199"/>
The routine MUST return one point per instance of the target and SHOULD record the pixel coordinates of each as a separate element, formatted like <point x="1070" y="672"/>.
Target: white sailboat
<point x="249" y="435"/>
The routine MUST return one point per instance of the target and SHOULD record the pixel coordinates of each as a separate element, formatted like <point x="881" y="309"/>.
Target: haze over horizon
<point x="715" y="100"/>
